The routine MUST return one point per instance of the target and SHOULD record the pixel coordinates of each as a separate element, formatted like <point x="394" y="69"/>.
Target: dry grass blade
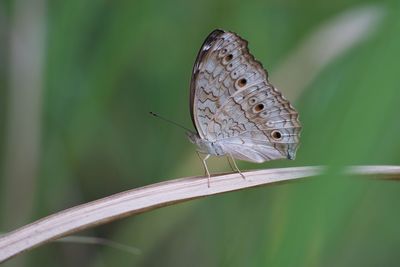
<point x="153" y="196"/>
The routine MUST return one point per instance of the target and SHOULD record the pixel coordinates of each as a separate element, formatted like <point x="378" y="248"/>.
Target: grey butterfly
<point x="236" y="111"/>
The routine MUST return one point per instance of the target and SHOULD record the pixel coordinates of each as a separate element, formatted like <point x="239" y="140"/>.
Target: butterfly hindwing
<point x="232" y="102"/>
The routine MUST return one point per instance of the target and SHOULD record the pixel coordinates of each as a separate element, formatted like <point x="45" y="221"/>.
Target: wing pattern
<point x="233" y="103"/>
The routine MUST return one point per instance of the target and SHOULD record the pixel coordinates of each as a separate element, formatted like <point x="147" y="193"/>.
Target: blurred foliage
<point x="108" y="63"/>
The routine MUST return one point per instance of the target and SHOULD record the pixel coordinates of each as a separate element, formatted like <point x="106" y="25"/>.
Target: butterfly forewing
<point x="233" y="103"/>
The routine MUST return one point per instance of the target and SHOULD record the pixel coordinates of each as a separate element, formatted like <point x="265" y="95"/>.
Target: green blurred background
<point x="78" y="78"/>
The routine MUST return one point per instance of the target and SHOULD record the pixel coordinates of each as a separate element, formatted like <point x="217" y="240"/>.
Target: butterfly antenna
<point x="167" y="120"/>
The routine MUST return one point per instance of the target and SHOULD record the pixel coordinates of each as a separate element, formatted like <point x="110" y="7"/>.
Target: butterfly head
<point x="205" y="146"/>
<point x="193" y="137"/>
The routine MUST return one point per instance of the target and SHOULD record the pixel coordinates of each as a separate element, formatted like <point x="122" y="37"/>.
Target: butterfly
<point x="236" y="111"/>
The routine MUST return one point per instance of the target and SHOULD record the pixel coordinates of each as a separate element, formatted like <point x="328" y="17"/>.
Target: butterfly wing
<point x="234" y="104"/>
<point x="208" y="43"/>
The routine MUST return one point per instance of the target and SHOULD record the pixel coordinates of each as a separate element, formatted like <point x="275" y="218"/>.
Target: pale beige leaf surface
<point x="154" y="196"/>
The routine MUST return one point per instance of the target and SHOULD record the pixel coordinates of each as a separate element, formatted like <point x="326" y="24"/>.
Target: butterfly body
<point x="235" y="109"/>
<point x="205" y="146"/>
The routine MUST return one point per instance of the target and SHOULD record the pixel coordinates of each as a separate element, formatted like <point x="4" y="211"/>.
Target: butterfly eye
<point x="276" y="135"/>
<point x="259" y="107"/>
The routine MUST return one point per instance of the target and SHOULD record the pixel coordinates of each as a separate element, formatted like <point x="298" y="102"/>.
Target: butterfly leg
<point x="230" y="164"/>
<point x="236" y="167"/>
<point x="205" y="167"/>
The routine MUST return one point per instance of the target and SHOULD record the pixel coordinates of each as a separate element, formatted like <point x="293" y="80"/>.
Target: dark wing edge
<point x="207" y="44"/>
